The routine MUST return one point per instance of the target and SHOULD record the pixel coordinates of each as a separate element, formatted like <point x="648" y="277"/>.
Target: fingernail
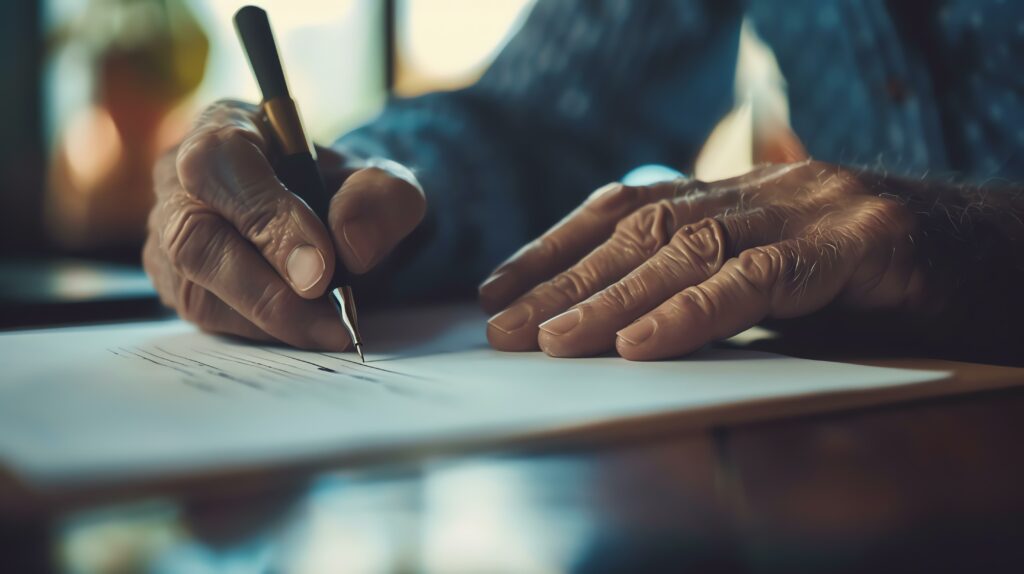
<point x="511" y="319"/>
<point x="305" y="266"/>
<point x="638" y="332"/>
<point x="361" y="238"/>
<point x="563" y="323"/>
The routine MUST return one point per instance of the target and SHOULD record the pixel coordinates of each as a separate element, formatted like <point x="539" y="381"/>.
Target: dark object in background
<point x="57" y="292"/>
<point x="21" y="147"/>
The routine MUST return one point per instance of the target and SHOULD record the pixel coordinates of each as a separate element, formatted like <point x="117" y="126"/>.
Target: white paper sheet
<point x="133" y="400"/>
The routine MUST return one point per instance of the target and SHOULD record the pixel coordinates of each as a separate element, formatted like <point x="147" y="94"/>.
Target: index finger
<point x="224" y="167"/>
<point x="247" y="118"/>
<point x="570" y="239"/>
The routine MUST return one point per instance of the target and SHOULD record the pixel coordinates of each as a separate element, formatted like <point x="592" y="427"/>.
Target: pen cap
<point x="257" y="38"/>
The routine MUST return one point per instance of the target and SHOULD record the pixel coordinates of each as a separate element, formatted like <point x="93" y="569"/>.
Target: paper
<point x="135" y="400"/>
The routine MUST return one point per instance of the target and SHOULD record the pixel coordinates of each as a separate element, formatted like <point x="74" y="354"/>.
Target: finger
<point x="594" y="221"/>
<point x="225" y="168"/>
<point x="245" y="116"/>
<point x="203" y="248"/>
<point x="199" y="306"/>
<point x="193" y="302"/>
<point x="636" y="238"/>
<point x="694" y="253"/>
<point x="156" y="267"/>
<point x="569" y="240"/>
<point x="793" y="277"/>
<point x="375" y="208"/>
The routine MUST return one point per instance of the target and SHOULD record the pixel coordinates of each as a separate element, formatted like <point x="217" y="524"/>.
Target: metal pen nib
<point x="346" y="306"/>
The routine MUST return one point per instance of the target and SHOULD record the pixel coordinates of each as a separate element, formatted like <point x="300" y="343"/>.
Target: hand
<point x="659" y="271"/>
<point x="233" y="251"/>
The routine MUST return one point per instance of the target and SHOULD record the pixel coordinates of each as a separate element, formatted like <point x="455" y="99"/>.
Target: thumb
<point x="373" y="210"/>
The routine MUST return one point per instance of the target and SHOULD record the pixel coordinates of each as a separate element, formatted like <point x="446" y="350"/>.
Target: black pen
<point x="296" y="168"/>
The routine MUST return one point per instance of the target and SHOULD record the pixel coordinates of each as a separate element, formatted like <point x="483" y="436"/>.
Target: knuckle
<point x="195" y="159"/>
<point x="232" y="104"/>
<point x="700" y="245"/>
<point x="264" y="218"/>
<point x="190" y="239"/>
<point x="200" y="154"/>
<point x="570" y="286"/>
<point x="763" y="267"/>
<point x="887" y="216"/>
<point x="693" y="301"/>
<point x="624" y="295"/>
<point x="647" y="229"/>
<point x="227" y="110"/>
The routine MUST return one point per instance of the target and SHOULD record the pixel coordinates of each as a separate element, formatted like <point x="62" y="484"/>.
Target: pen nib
<point x="346" y="307"/>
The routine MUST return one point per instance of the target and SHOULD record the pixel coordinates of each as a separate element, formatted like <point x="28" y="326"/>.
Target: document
<point x="135" y="400"/>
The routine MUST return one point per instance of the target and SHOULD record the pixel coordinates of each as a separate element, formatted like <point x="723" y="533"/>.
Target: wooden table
<point x="934" y="484"/>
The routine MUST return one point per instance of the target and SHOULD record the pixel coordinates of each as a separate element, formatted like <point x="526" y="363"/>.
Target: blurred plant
<point x="145" y="58"/>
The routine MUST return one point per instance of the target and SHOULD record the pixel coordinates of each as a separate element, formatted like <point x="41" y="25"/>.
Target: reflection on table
<point x="934" y="482"/>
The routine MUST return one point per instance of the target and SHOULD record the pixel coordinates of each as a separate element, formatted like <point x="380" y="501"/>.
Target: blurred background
<point x="95" y="90"/>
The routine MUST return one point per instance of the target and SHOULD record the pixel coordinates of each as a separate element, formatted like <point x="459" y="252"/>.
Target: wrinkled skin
<point x="224" y="230"/>
<point x="657" y="272"/>
<point x="650" y="272"/>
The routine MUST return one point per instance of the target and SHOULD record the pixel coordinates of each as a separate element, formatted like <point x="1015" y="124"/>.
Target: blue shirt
<point x="589" y="89"/>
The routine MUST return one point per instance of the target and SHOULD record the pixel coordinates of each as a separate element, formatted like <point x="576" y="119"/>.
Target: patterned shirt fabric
<point x="587" y="90"/>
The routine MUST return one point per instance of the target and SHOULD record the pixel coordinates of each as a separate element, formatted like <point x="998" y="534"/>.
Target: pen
<point x="296" y="168"/>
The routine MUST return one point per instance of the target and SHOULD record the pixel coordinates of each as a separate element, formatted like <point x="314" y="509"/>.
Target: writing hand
<point x="233" y="251"/>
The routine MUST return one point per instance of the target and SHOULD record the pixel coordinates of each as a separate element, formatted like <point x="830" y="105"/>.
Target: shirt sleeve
<point x="582" y="93"/>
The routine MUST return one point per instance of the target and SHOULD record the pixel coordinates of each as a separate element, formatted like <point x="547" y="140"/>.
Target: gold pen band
<point x="284" y="118"/>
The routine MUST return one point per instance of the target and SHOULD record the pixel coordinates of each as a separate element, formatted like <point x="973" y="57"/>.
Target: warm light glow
<point x="92" y="147"/>
<point x="288" y="14"/>
<point x="482" y="517"/>
<point x="761" y="102"/>
<point x="173" y="127"/>
<point x="446" y="39"/>
<point x="332" y="55"/>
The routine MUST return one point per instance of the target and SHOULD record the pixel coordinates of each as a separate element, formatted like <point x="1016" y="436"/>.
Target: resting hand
<point x="659" y="271"/>
<point x="233" y="251"/>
